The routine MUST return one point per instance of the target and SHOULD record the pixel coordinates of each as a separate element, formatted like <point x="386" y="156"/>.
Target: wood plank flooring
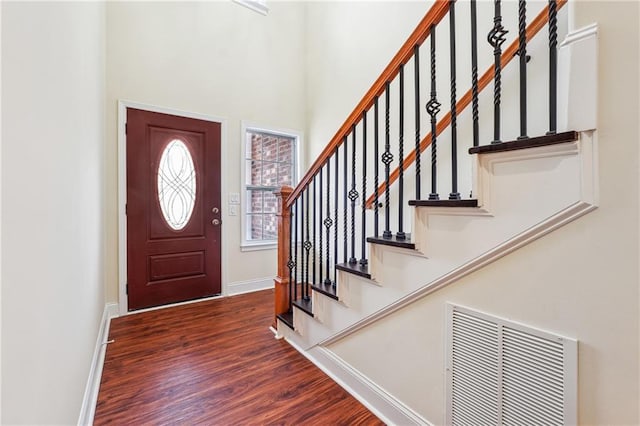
<point x="215" y="363"/>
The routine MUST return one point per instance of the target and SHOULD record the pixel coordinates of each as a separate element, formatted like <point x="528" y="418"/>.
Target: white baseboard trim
<point x="240" y="287"/>
<point x="90" y="399"/>
<point x="377" y="400"/>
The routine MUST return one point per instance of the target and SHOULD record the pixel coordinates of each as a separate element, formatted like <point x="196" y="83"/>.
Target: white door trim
<point x="123" y="305"/>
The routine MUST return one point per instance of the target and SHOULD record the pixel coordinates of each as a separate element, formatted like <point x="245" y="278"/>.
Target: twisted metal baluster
<point x="363" y="260"/>
<point x="454" y="195"/>
<point x="290" y="263"/>
<point x="387" y="158"/>
<point x="522" y="52"/>
<point x="474" y="73"/>
<point x="496" y="38"/>
<point x="433" y="108"/>
<point x="328" y="222"/>
<point x="345" y="229"/>
<point x="553" y="66"/>
<point x="353" y="196"/>
<point x="375" y="169"/>
<point x="335" y="222"/>
<point x="400" y="235"/>
<point x="416" y="77"/>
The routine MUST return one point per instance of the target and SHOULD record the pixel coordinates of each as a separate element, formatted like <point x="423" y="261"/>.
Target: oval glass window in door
<point x="176" y="184"/>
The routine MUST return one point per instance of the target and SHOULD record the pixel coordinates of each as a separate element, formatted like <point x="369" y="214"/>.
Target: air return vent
<point x="499" y="372"/>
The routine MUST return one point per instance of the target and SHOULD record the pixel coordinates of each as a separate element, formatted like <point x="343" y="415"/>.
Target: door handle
<point x="216" y="222"/>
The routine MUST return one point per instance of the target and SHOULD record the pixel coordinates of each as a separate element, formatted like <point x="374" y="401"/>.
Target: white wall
<point x="52" y="206"/>
<point x="580" y="281"/>
<point x="214" y="58"/>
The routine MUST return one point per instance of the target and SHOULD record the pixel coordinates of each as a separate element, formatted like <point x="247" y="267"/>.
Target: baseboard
<point x="90" y="399"/>
<point x="377" y="400"/>
<point x="240" y="287"/>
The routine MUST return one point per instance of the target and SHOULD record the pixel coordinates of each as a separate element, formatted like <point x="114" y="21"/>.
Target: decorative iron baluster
<point x="522" y="52"/>
<point x="328" y="222"/>
<point x="474" y="73"/>
<point x="376" y="183"/>
<point x="320" y="242"/>
<point x="553" y="66"/>
<point x="313" y="236"/>
<point x="295" y="252"/>
<point x="496" y="38"/>
<point x="400" y="235"/>
<point x="433" y="108"/>
<point x="416" y="94"/>
<point x="344" y="199"/>
<point x="290" y="263"/>
<point x="387" y="158"/>
<point x="363" y="260"/>
<point x="335" y="220"/>
<point x="306" y="245"/>
<point x="454" y="195"/>
<point x="353" y="196"/>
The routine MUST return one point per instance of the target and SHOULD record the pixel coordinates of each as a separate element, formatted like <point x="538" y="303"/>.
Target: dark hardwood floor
<point x="215" y="363"/>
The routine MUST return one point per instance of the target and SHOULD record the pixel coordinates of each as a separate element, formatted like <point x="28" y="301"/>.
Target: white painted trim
<point x="255" y="5"/>
<point x="122" y="188"/>
<point x="387" y="408"/>
<point x="249" y="286"/>
<point x="88" y="408"/>
<point x="580" y="34"/>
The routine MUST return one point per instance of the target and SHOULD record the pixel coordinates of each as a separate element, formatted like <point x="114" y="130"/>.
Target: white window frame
<point x="251" y="245"/>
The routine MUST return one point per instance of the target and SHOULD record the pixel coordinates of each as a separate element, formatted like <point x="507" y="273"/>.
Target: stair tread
<point x="394" y="241"/>
<point x="287" y="319"/>
<point x="329" y="290"/>
<point x="444" y="203"/>
<point x="304" y="305"/>
<point x="355" y="268"/>
<point x="526" y="143"/>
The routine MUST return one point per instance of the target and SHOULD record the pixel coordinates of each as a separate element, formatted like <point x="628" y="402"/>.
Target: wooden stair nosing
<point x="537" y="141"/>
<point x="328" y="290"/>
<point x="444" y="203"/>
<point x="355" y="268"/>
<point x="287" y="319"/>
<point x="304" y="305"/>
<point x="393" y="241"/>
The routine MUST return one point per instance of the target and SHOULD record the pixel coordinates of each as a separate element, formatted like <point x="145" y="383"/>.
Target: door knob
<point x="215" y="222"/>
<point x="215" y="210"/>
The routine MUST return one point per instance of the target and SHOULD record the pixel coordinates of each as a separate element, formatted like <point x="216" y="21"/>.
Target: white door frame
<point x="123" y="305"/>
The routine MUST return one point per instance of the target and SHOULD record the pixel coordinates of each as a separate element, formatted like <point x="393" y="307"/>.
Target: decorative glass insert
<point x="176" y="184"/>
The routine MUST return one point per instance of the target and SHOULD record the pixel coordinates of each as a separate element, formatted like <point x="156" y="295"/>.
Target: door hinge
<point x="126" y="288"/>
<point x="126" y="128"/>
<point x="126" y="209"/>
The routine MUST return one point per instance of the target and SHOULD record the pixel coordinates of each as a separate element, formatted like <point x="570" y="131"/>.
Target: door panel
<point x="172" y="255"/>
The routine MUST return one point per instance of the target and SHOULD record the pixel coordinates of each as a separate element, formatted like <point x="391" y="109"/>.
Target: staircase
<point x="370" y="229"/>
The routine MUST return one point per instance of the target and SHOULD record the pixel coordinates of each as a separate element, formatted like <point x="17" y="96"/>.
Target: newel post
<point x="281" y="282"/>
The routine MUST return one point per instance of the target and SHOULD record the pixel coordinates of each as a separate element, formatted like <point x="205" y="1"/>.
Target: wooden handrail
<point x="438" y="11"/>
<point x="532" y="29"/>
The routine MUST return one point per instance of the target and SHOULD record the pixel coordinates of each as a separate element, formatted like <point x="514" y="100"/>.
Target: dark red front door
<point x="173" y="208"/>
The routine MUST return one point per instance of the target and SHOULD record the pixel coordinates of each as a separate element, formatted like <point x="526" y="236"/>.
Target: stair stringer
<point x="523" y="195"/>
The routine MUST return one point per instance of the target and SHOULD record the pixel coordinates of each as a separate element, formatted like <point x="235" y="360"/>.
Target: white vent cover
<point x="499" y="372"/>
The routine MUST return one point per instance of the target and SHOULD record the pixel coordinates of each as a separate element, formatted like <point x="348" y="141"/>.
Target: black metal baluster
<point x="495" y="38"/>
<point x="376" y="201"/>
<point x="307" y="245"/>
<point x="400" y="235"/>
<point x="328" y="222"/>
<point x="295" y="252"/>
<point x="363" y="259"/>
<point x="522" y="52"/>
<point x="474" y="73"/>
<point x="553" y="67"/>
<point x="320" y="233"/>
<point x="433" y="108"/>
<point x="387" y="158"/>
<point x="416" y="94"/>
<point x="290" y="263"/>
<point x="344" y="199"/>
<point x="353" y="196"/>
<point x="313" y="228"/>
<point x="454" y="195"/>
<point x="335" y="220"/>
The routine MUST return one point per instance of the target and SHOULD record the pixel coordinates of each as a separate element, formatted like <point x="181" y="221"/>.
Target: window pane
<point x="254" y="146"/>
<point x="270" y="202"/>
<point x="270" y="174"/>
<point x="254" y="201"/>
<point x="254" y="172"/>
<point x="176" y="178"/>
<point x="285" y="172"/>
<point x="270" y="226"/>
<point x="286" y="148"/>
<point x="270" y="148"/>
<point x="256" y="227"/>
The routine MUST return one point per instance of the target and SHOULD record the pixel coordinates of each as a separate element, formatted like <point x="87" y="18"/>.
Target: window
<point x="270" y="162"/>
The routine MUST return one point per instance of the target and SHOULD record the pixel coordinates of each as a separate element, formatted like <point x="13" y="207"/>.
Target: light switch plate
<point x="234" y="198"/>
<point x="233" y="210"/>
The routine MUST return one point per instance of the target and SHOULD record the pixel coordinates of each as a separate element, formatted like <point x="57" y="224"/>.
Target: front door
<point x="173" y="208"/>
